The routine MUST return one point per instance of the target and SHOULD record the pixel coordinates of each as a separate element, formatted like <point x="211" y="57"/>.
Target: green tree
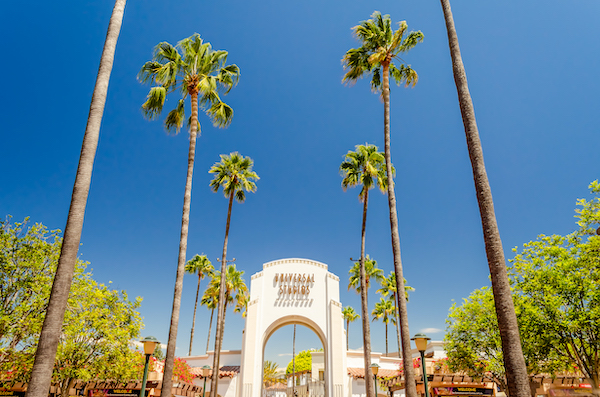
<point x="557" y="279"/>
<point x="385" y="311"/>
<point x="516" y="370"/>
<point x="201" y="266"/>
<point x="350" y="316"/>
<point x="388" y="289"/>
<point x="371" y="272"/>
<point x="57" y="304"/>
<point x="99" y="323"/>
<point x="234" y="174"/>
<point x="557" y="303"/>
<point x="303" y="361"/>
<point x="364" y="167"/>
<point x="380" y="47"/>
<point x="195" y="70"/>
<point x="28" y="257"/>
<point x="472" y="339"/>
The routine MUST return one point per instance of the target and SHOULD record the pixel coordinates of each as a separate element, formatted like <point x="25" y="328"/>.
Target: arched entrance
<point x="294" y="291"/>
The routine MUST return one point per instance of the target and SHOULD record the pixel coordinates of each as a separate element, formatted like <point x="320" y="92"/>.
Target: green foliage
<point x="99" y="322"/>
<point x="557" y="300"/>
<point x="270" y="373"/>
<point x="364" y="167"/>
<point x="234" y="174"/>
<point x="371" y="270"/>
<point x="193" y="68"/>
<point x="236" y="290"/>
<point x="303" y="362"/>
<point x="380" y="45"/>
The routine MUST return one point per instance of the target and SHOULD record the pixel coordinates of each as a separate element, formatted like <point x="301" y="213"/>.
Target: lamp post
<point x="205" y="372"/>
<point x="149" y="343"/>
<point x="421" y="342"/>
<point x="375" y="370"/>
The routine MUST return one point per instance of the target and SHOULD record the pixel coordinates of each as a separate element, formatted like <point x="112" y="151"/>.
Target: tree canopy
<point x="303" y="362"/>
<point x="99" y="322"/>
<point x="557" y="300"/>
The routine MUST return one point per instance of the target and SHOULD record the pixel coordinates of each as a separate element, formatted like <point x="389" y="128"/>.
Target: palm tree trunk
<point x="364" y="306"/>
<point x="209" y="328"/>
<point x="185" y="221"/>
<point x="221" y="304"/>
<point x="347" y="332"/>
<point x="294" y="363"/>
<point x="41" y="373"/>
<point x="514" y="363"/>
<point x="386" y="338"/>
<point x="409" y="372"/>
<point x="397" y="325"/>
<point x="194" y="317"/>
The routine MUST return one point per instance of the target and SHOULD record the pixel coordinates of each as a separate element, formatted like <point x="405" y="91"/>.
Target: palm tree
<point x="380" y="46"/>
<point x="371" y="272"/>
<point x="384" y="310"/>
<point x="201" y="266"/>
<point x="209" y="299"/>
<point x="202" y="74"/>
<point x="388" y="289"/>
<point x="364" y="167"/>
<point x="350" y="316"/>
<point x="270" y="373"/>
<point x="514" y="362"/>
<point x="45" y="355"/>
<point x="233" y="173"/>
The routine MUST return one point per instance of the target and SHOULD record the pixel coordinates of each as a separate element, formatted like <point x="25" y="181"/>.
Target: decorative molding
<point x="255" y="301"/>
<point x="256" y="275"/>
<point x="333" y="276"/>
<point x="336" y="303"/>
<point x="295" y="260"/>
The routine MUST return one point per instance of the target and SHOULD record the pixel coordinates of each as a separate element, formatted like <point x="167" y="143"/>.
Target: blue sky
<point x="532" y="71"/>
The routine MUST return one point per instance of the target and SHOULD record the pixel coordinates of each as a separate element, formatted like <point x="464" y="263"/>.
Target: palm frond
<point x="404" y="74"/>
<point x="174" y="120"/>
<point x="165" y="52"/>
<point x="411" y="40"/>
<point x="148" y="72"/>
<point x="154" y="102"/>
<point x="220" y="114"/>
<point x="356" y="61"/>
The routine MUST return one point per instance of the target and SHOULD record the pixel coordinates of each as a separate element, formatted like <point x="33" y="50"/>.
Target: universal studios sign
<point x="295" y="286"/>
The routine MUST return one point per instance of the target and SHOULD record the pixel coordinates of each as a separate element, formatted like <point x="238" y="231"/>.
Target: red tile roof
<point x="226" y="371"/>
<point x="359" y="373"/>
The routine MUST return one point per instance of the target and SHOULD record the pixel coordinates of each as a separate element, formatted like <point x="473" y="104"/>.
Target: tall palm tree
<point x="364" y="167"/>
<point x="371" y="272"/>
<point x="380" y="47"/>
<point x="209" y="299"/>
<point x="234" y="174"/>
<point x="384" y="311"/>
<point x="45" y="355"/>
<point x="350" y="316"/>
<point x="195" y="70"/>
<point x="514" y="362"/>
<point x="201" y="266"/>
<point x="388" y="289"/>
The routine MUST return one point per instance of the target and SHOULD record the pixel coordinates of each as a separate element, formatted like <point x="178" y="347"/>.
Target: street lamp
<point x="421" y="342"/>
<point x="205" y="372"/>
<point x="149" y="343"/>
<point x="375" y="369"/>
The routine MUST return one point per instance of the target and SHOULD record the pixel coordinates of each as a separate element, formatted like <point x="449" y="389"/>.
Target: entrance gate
<point x="294" y="291"/>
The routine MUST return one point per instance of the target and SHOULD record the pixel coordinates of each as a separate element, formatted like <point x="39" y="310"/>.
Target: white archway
<point x="294" y="291"/>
